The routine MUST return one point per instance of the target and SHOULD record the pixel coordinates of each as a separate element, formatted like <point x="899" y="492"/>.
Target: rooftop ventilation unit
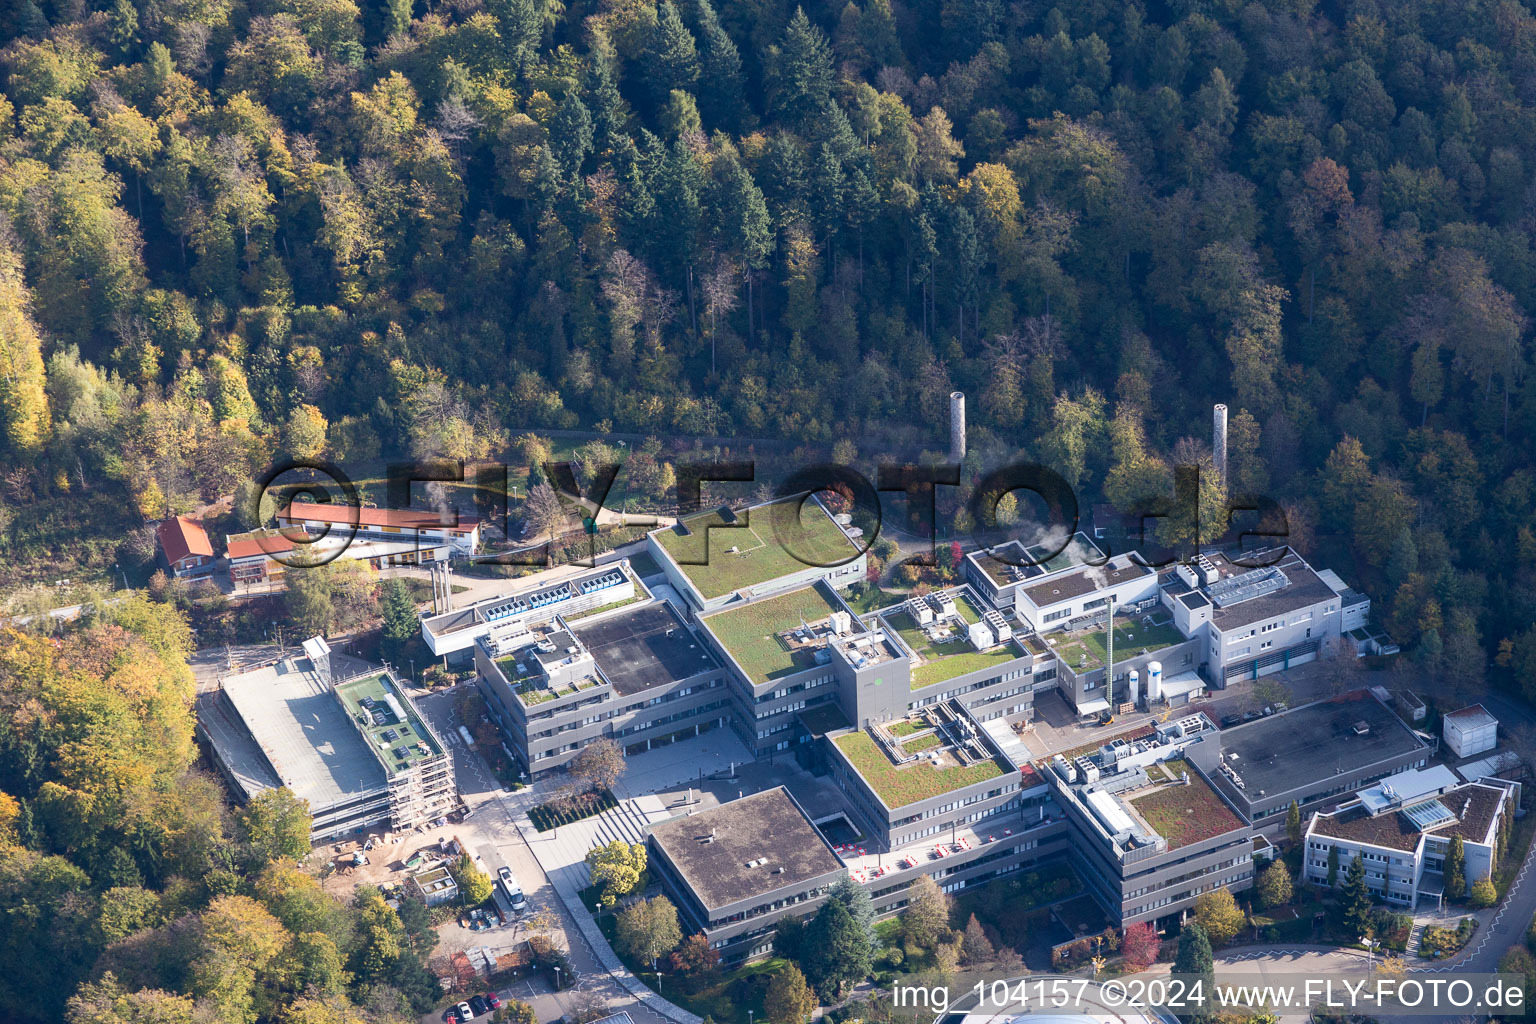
<point x="1246" y="586"/>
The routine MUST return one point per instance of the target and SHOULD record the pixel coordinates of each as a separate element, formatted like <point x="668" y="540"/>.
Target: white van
<point x="511" y="888"/>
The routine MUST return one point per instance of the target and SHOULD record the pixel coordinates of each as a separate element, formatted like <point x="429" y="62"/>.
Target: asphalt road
<point x="492" y="821"/>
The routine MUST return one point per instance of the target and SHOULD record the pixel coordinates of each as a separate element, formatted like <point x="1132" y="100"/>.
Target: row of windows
<point x="981" y="685"/>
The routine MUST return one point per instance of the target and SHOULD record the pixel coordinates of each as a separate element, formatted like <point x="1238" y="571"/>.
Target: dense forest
<point x="233" y="229"/>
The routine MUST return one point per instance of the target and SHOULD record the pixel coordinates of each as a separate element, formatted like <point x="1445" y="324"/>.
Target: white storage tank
<point x="1154" y="680"/>
<point x="1132" y="681"/>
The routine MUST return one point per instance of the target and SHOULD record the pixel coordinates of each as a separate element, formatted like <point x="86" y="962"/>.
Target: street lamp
<point x="1370" y="951"/>
<point x="557" y="979"/>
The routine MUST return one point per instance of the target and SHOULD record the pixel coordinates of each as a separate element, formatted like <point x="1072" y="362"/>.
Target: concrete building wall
<point x="1272" y="645"/>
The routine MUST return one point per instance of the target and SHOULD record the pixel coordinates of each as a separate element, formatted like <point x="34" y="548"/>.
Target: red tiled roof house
<point x="184" y="546"/>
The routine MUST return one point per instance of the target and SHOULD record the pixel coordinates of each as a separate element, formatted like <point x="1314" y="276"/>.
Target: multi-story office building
<point x="1260" y="620"/>
<point x="569" y="590"/>
<point x="1402" y="827"/>
<point x="1151" y="832"/>
<point x="354" y="747"/>
<point x="1313" y="755"/>
<point x="737" y="869"/>
<point x="635" y="674"/>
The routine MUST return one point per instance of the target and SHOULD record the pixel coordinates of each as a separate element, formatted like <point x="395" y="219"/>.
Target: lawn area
<point x="764" y="537"/>
<point x="1182" y="814"/>
<point x="944" y="661"/>
<point x="968" y="611"/>
<point x="545" y="817"/>
<point x="900" y="786"/>
<point x="864" y="598"/>
<point x="921" y="743"/>
<point x="604" y="608"/>
<point x="1086" y="650"/>
<point x="751" y="633"/>
<point x="905" y="728"/>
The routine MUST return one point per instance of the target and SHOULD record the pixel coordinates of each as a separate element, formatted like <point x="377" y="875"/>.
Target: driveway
<point x="492" y="813"/>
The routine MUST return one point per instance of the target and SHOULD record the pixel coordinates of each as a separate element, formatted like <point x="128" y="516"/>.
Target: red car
<point x="492" y="1000"/>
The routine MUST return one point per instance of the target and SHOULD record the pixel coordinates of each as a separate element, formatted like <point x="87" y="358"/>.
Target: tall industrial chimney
<point x="956" y="427"/>
<point x="1219" y="442"/>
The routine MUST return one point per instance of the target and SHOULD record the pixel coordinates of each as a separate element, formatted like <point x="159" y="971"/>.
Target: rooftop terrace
<point x="900" y="785"/>
<point x="761" y="636"/>
<point x="396" y="734"/>
<point x="745" y="549"/>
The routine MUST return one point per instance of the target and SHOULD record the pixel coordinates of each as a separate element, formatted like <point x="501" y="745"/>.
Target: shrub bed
<point x="584" y="805"/>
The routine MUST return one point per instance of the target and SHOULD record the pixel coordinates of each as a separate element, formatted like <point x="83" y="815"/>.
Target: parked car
<point x="493" y="1000"/>
<point x="465" y="1012"/>
<point x="1227" y="721"/>
<point x="479" y="1005"/>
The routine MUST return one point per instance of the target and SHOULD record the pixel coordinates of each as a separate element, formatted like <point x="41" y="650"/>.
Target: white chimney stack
<point x="956" y="427"/>
<point x="1219" y="443"/>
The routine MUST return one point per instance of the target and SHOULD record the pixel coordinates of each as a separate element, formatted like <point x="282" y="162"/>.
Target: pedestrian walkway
<point x="562" y="856"/>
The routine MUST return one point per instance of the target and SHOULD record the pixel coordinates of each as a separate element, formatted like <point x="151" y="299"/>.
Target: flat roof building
<point x="1401" y="830"/>
<point x="1264" y="616"/>
<point x="634" y="673"/>
<point x="1470" y="731"/>
<point x="356" y="750"/>
<point x="567" y="590"/>
<point x="736" y="869"/>
<point x="1152" y="831"/>
<point x="722" y="556"/>
<point x="1314" y="754"/>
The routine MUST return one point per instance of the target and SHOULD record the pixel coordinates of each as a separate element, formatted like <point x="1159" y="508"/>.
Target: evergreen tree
<point x="1456" y="869"/>
<point x="672" y="60"/>
<point x="856" y="900"/>
<point x="570" y="135"/>
<point x="837" y="951"/>
<point x="722" y="99"/>
<point x="1355" y="898"/>
<point x="1194" y="960"/>
<point x="520" y="26"/>
<point x="803" y="72"/>
<point x="401" y="625"/>
<point x="609" y="112"/>
<point x="1293" y="822"/>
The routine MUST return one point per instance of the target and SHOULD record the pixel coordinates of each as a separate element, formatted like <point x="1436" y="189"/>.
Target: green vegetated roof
<point x="766" y="539"/>
<point x="1185" y="815"/>
<point x="898" y="786"/>
<point x="942" y="662"/>
<point x="1131" y="638"/>
<point x="750" y="632"/>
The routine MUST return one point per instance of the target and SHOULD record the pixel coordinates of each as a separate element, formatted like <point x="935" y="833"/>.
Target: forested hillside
<point x="235" y="229"/>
